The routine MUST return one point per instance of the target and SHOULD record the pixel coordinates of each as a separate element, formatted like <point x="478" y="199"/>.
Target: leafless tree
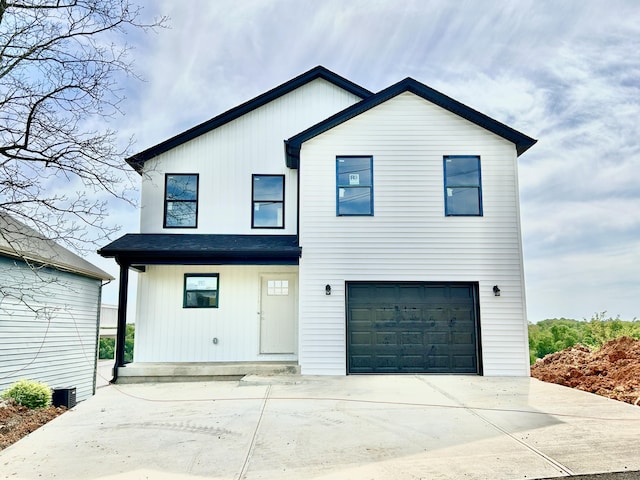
<point x="61" y="62"/>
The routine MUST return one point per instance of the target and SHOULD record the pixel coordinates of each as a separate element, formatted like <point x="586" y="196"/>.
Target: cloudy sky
<point x="566" y="73"/>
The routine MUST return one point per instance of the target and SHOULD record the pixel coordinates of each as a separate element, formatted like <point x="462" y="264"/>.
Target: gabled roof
<point x="194" y="249"/>
<point x="521" y="141"/>
<point x="24" y="243"/>
<point x="137" y="160"/>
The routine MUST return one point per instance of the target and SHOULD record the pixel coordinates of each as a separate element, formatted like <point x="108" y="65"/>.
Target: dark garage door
<point x="412" y="328"/>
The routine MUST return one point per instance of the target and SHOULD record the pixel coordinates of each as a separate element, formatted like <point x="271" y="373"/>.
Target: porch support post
<point x="122" y="316"/>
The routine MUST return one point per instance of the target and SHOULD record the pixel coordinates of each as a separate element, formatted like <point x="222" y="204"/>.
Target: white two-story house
<point x="332" y="229"/>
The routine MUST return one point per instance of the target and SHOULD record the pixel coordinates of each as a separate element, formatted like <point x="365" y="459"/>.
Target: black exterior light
<point x="327" y="289"/>
<point x="496" y="290"/>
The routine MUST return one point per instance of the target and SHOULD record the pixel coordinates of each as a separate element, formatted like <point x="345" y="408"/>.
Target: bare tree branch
<point x="59" y="76"/>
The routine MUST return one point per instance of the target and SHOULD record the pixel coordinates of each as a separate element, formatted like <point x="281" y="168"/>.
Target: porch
<point x="152" y="372"/>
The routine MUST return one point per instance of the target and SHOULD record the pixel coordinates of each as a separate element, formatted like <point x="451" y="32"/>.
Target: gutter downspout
<point x="97" y="351"/>
<point x="122" y="317"/>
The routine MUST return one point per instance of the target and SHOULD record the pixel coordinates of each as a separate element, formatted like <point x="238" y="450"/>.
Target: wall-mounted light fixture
<point x="496" y="290"/>
<point x="327" y="290"/>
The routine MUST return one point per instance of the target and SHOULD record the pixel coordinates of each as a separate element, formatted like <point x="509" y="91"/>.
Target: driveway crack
<point x="548" y="459"/>
<point x="245" y="465"/>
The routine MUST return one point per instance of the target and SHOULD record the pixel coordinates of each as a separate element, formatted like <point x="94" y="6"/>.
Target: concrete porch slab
<point x="148" y="372"/>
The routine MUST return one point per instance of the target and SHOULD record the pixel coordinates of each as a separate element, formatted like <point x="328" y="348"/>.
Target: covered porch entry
<point x="208" y="305"/>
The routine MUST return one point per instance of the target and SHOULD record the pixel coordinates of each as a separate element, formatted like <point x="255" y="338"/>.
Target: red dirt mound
<point x="17" y="421"/>
<point x="613" y="371"/>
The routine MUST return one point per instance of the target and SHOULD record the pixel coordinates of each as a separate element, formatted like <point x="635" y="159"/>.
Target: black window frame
<point x="168" y="200"/>
<point x="349" y="186"/>
<point x="265" y="200"/>
<point x="185" y="291"/>
<point x="468" y="186"/>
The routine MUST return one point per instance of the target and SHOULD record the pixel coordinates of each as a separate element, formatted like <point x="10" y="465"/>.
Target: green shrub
<point x="29" y="393"/>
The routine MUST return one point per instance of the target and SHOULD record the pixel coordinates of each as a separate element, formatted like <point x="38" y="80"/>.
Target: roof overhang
<point x="293" y="145"/>
<point x="137" y="161"/>
<point x="138" y="250"/>
<point x="21" y="242"/>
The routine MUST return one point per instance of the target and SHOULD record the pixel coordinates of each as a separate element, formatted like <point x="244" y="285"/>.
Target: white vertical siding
<point x="166" y="332"/>
<point x="409" y="238"/>
<point x="226" y="158"/>
<point x="51" y="335"/>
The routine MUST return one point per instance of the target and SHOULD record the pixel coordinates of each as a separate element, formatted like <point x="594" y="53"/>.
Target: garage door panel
<point x="386" y="363"/>
<point x="362" y="364"/>
<point x="408" y="339"/>
<point x="410" y="293"/>
<point x="436" y="315"/>
<point x="461" y="314"/>
<point x="433" y="292"/>
<point x="384" y="292"/>
<point x="359" y="292"/>
<point x="384" y="315"/>
<point x="462" y="363"/>
<point x="437" y="362"/>
<point x="386" y="338"/>
<point x="360" y="316"/>
<point x="436" y="338"/>
<point x="463" y="339"/>
<point x="412" y="328"/>
<point x="461" y="291"/>
<point x="360" y="338"/>
<point x="412" y="363"/>
<point x="409" y="314"/>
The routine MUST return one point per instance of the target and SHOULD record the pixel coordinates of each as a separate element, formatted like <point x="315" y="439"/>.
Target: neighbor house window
<point x="462" y="186"/>
<point x="200" y="290"/>
<point x="354" y="186"/>
<point x="181" y="200"/>
<point x="267" y="201"/>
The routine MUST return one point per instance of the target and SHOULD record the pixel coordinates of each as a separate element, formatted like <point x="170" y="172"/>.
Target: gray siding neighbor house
<point x="49" y="311"/>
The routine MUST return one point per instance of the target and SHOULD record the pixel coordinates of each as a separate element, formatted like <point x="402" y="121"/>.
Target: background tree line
<point x="108" y="345"/>
<point x="555" y="334"/>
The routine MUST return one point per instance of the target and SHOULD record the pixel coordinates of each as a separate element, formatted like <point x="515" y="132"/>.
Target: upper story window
<point x="267" y="201"/>
<point x="462" y="186"/>
<point x="181" y="200"/>
<point x="354" y="185"/>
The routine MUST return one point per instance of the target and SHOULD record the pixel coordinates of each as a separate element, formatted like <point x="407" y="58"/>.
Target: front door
<point x="278" y="313"/>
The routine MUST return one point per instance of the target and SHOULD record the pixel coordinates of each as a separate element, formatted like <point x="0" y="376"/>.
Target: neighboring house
<point x="108" y="321"/>
<point x="336" y="229"/>
<point x="49" y="311"/>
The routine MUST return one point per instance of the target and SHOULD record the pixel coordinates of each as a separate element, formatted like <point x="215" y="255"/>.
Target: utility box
<point x="64" y="397"/>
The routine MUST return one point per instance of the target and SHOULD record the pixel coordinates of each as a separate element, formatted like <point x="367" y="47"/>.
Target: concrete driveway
<point x="355" y="427"/>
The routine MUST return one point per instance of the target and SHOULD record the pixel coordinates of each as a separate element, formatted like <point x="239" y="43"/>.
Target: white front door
<point x="278" y="313"/>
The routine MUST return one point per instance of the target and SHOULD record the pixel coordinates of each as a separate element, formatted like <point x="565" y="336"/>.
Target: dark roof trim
<point x="137" y="160"/>
<point x="294" y="144"/>
<point x="202" y="249"/>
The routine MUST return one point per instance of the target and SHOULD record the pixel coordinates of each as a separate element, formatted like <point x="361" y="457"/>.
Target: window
<point x="267" y="201"/>
<point x="200" y="290"/>
<point x="277" y="287"/>
<point x="462" y="187"/>
<point x="354" y="186"/>
<point x="181" y="201"/>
